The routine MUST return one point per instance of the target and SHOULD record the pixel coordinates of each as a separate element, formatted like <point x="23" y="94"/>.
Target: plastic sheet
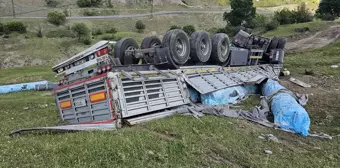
<point x="20" y="87"/>
<point x="288" y="113"/>
<point x="228" y="95"/>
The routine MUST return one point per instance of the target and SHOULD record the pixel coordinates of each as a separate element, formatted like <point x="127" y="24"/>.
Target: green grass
<point x="318" y="60"/>
<point x="178" y="141"/>
<point x="289" y="30"/>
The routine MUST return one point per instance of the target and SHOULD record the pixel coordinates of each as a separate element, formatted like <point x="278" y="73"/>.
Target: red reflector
<point x="103" y="69"/>
<point x="99" y="71"/>
<point x="103" y="51"/>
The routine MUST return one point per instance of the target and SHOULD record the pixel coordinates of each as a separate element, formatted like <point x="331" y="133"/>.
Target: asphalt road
<point x="134" y="15"/>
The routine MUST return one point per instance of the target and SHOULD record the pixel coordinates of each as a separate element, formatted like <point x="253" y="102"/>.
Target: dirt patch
<point x="318" y="40"/>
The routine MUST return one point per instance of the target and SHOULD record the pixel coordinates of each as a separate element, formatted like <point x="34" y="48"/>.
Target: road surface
<point x="135" y="15"/>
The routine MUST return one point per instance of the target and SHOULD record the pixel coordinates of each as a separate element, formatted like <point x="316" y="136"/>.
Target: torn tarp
<point x="287" y="111"/>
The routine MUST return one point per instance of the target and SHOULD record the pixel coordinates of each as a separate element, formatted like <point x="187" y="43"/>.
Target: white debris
<point x="268" y="152"/>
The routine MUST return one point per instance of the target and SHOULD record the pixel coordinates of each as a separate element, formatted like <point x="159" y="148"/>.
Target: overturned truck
<point x="116" y="82"/>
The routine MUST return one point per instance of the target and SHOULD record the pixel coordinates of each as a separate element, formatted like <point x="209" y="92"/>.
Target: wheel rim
<point x="224" y="48"/>
<point x="181" y="47"/>
<point x="204" y="46"/>
<point x="155" y="44"/>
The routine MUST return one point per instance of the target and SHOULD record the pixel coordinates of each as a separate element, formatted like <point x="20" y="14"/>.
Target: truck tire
<point x="149" y="42"/>
<point x="120" y="48"/>
<point x="273" y="44"/>
<point x="200" y="44"/>
<point x="179" y="46"/>
<point x="281" y="43"/>
<point x="220" y="48"/>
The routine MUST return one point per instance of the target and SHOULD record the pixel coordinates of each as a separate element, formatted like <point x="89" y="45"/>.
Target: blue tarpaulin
<point x="20" y="87"/>
<point x="288" y="113"/>
<point x="228" y="95"/>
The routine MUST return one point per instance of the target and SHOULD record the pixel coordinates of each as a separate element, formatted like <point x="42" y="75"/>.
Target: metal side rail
<point x="209" y="79"/>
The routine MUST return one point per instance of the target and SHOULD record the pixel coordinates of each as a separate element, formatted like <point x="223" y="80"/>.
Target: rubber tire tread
<point x="281" y="43"/>
<point x="195" y="51"/>
<point x="148" y="41"/>
<point x="273" y="44"/>
<point x="121" y="46"/>
<point x="216" y="56"/>
<point x="169" y="40"/>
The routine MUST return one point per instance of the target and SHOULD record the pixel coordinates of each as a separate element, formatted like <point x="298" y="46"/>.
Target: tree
<point x="242" y="10"/>
<point x="140" y="26"/>
<point x="81" y="31"/>
<point x="56" y="18"/>
<point x="328" y="7"/>
<point x="302" y="14"/>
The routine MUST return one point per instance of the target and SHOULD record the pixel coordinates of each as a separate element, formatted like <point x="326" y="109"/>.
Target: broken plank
<point x="299" y="82"/>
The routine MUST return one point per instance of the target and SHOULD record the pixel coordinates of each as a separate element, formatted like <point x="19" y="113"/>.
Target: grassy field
<point x="28" y="49"/>
<point x="178" y="141"/>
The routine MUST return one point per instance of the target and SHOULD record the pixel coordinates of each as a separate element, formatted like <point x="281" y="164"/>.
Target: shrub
<point x="259" y="21"/>
<point x="272" y="25"/>
<point x="302" y="14"/>
<point x="88" y="3"/>
<point x="140" y="26"/>
<point x="285" y="16"/>
<point x="81" y="31"/>
<point x="51" y="3"/>
<point x="97" y="32"/>
<point x="326" y="16"/>
<point x="174" y="27"/>
<point x="112" y="30"/>
<point x="15" y="26"/>
<point x="56" y="18"/>
<point x="109" y="4"/>
<point x="89" y="12"/>
<point x="189" y="29"/>
<point x="66" y="12"/>
<point x="87" y="40"/>
<point x="39" y="31"/>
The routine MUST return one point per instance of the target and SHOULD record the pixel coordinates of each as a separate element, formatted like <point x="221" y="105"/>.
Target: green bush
<point x="81" y="31"/>
<point x="174" y="27"/>
<point x="60" y="33"/>
<point x="325" y="16"/>
<point x="189" y="29"/>
<point x="97" y="32"/>
<point x="302" y="14"/>
<point x="66" y="13"/>
<point x="285" y="16"/>
<point x="51" y="3"/>
<point x="15" y="26"/>
<point x="90" y="12"/>
<point x="140" y="26"/>
<point x="258" y="21"/>
<point x="56" y="18"/>
<point x="112" y="30"/>
<point x="88" y="3"/>
<point x="272" y="25"/>
<point x="87" y="40"/>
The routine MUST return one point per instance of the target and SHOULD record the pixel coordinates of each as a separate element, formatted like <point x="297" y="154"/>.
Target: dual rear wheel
<point x="198" y="49"/>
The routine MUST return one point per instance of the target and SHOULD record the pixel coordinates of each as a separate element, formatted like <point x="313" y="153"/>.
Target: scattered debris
<point x="321" y="135"/>
<point x="335" y="66"/>
<point x="271" y="137"/>
<point x="300" y="83"/>
<point x="318" y="148"/>
<point x="285" y="72"/>
<point x="268" y="152"/>
<point x="43" y="105"/>
<point x="26" y="108"/>
<point x="261" y="137"/>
